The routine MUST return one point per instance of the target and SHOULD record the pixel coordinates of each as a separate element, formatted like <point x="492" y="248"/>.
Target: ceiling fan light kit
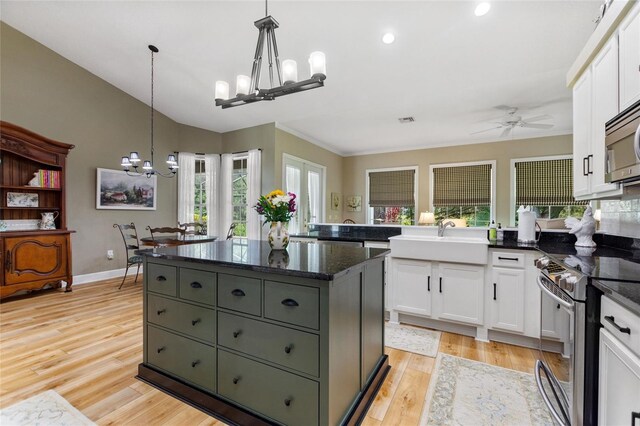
<point x="248" y="88"/>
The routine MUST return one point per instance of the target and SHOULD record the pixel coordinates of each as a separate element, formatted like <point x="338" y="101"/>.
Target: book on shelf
<point x="46" y="179"/>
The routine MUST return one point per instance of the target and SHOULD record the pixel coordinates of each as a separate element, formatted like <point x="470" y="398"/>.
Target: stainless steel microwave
<point x="622" y="142"/>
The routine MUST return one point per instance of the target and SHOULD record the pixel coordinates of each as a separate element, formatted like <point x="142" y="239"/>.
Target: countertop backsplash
<point x="621" y="217"/>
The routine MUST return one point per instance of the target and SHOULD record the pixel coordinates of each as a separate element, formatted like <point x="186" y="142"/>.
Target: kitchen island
<point x="254" y="336"/>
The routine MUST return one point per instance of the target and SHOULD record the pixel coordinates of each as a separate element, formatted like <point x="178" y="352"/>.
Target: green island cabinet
<point x="250" y="343"/>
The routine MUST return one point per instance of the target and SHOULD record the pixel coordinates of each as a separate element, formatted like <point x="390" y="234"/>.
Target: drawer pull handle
<point x="288" y="348"/>
<point x="161" y="349"/>
<point x="161" y="278"/>
<point x="515" y="259"/>
<point x="612" y="320"/>
<point x="237" y="292"/>
<point x="287" y="401"/>
<point x="289" y="302"/>
<point x="196" y="284"/>
<point x="196" y="321"/>
<point x="162" y="311"/>
<point x="194" y="363"/>
<point x="236" y="334"/>
<point x="236" y="380"/>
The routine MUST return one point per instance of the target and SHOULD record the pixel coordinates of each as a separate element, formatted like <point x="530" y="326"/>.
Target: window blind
<point x="389" y="189"/>
<point x="462" y="186"/>
<point x="545" y="183"/>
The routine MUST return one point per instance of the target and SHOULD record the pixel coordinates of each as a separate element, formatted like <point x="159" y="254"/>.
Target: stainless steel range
<point x="562" y="384"/>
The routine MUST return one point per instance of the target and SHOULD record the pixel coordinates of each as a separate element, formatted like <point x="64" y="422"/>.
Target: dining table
<point x="177" y="240"/>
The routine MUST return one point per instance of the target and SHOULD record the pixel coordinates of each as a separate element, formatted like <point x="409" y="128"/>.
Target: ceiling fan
<point x="511" y="120"/>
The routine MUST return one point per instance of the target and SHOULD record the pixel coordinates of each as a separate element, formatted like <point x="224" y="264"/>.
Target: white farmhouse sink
<point x="443" y="249"/>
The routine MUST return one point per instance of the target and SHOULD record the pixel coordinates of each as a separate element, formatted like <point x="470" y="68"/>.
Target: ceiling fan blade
<point x="506" y="132"/>
<point x="537" y="118"/>
<point x="536" y="126"/>
<point x="486" y="130"/>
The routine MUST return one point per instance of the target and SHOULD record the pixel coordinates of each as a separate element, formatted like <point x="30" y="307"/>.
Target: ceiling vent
<point x="404" y="120"/>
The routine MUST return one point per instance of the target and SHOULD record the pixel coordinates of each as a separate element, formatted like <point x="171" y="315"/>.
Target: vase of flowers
<point x="278" y="209"/>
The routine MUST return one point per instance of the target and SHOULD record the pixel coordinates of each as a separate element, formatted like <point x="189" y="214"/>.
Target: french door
<point x="307" y="181"/>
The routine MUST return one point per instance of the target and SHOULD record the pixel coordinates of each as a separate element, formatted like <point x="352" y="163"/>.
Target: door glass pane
<point x="293" y="185"/>
<point x="314" y="196"/>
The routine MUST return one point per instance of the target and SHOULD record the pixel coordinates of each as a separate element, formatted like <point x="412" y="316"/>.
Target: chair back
<point x="232" y="231"/>
<point x="156" y="232"/>
<point x="192" y="228"/>
<point x="349" y="221"/>
<point x="129" y="237"/>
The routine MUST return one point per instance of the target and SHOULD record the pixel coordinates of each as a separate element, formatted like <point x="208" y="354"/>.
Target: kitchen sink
<point x="444" y="249"/>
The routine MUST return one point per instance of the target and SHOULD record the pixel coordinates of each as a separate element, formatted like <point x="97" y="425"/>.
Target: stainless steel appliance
<point x="561" y="384"/>
<point x="622" y="142"/>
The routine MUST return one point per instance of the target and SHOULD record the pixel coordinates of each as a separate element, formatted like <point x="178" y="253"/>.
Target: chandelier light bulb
<point x="125" y="162"/>
<point x="134" y="158"/>
<point x="222" y="90"/>
<point x="171" y="160"/>
<point x="317" y="64"/>
<point x="243" y="82"/>
<point x="289" y="71"/>
<point x="482" y="9"/>
<point x="147" y="165"/>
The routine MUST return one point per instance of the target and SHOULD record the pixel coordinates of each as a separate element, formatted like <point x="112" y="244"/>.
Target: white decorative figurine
<point x="35" y="181"/>
<point x="583" y="229"/>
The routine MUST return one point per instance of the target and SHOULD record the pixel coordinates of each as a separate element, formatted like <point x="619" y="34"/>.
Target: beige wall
<point x="354" y="168"/>
<point x="286" y="143"/>
<point x="46" y="93"/>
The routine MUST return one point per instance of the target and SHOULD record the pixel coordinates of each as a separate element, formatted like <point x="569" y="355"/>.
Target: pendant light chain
<point x="152" y="110"/>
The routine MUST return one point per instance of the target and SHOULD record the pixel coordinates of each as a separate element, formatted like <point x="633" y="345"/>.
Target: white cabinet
<point x="460" y="291"/>
<point x="507" y="305"/>
<point x="595" y="101"/>
<point x="629" y="36"/>
<point x="411" y="288"/>
<point x="619" y="384"/>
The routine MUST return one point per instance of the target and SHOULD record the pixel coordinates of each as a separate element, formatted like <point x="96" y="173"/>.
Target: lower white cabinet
<point x="619" y="386"/>
<point x="507" y="305"/>
<point x="460" y="291"/>
<point x="411" y="286"/>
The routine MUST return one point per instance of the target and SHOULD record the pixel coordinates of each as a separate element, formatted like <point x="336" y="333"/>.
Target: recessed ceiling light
<point x="482" y="9"/>
<point x="388" y="38"/>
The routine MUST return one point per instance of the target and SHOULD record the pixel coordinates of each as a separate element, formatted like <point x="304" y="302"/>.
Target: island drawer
<point x="188" y="360"/>
<point x="185" y="318"/>
<point x="508" y="259"/>
<point x="284" y="397"/>
<point x="293" y="304"/>
<point x="198" y="286"/>
<point x="622" y="323"/>
<point x="293" y="349"/>
<point x="240" y="294"/>
<point x="161" y="279"/>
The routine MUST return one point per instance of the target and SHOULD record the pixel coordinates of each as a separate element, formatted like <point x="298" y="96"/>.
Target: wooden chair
<point x="232" y="230"/>
<point x="156" y="232"/>
<point x="192" y="228"/>
<point x="131" y="244"/>
<point x="348" y="221"/>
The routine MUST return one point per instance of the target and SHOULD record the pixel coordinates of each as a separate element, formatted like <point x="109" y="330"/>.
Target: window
<point x="391" y="195"/>
<point x="239" y="195"/>
<point x="546" y="184"/>
<point x="464" y="191"/>
<point x="200" y="198"/>
<point x="307" y="181"/>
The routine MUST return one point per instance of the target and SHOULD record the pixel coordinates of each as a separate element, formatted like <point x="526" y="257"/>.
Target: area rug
<point x="47" y="408"/>
<point x="465" y="392"/>
<point x="412" y="339"/>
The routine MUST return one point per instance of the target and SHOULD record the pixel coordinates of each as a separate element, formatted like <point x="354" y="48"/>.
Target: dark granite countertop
<point x="626" y="294"/>
<point x="358" y="237"/>
<point x="355" y="233"/>
<point x="315" y="261"/>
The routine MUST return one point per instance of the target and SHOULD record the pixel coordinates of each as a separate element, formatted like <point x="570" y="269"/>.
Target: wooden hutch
<point x="32" y="258"/>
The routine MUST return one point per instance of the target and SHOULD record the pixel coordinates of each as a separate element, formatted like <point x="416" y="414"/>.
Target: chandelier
<point x="248" y="88"/>
<point x="133" y="160"/>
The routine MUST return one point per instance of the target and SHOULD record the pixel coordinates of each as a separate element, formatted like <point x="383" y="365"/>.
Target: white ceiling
<point x="447" y="67"/>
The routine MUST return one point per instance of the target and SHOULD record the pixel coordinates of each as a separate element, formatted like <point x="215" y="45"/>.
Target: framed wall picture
<point x="335" y="201"/>
<point x="115" y="190"/>
<point x="354" y="203"/>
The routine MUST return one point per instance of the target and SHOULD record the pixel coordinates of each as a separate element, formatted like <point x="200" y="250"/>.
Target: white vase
<point x="278" y="236"/>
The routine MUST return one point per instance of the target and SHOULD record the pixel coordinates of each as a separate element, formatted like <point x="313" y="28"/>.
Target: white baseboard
<point x="103" y="275"/>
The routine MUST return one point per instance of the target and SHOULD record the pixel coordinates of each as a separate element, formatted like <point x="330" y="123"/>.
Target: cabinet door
<point x="507" y="300"/>
<point x="555" y="320"/>
<point x="630" y="59"/>
<point x="35" y="258"/>
<point x="581" y="133"/>
<point x="412" y="286"/>
<point x="604" y="106"/>
<point x="619" y="385"/>
<point x="460" y="292"/>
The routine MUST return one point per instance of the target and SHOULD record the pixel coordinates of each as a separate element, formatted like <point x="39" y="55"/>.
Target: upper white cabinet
<point x="595" y="101"/>
<point x="629" y="35"/>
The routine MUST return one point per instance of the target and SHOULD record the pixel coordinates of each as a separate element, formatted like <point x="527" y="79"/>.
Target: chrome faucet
<point x="443" y="225"/>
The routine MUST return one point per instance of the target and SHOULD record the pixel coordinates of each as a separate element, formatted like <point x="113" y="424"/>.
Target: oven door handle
<point x="636" y="143"/>
<point x="548" y="292"/>
<point x="562" y="421"/>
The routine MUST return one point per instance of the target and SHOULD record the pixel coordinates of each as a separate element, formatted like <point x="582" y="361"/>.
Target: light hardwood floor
<point x="86" y="345"/>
